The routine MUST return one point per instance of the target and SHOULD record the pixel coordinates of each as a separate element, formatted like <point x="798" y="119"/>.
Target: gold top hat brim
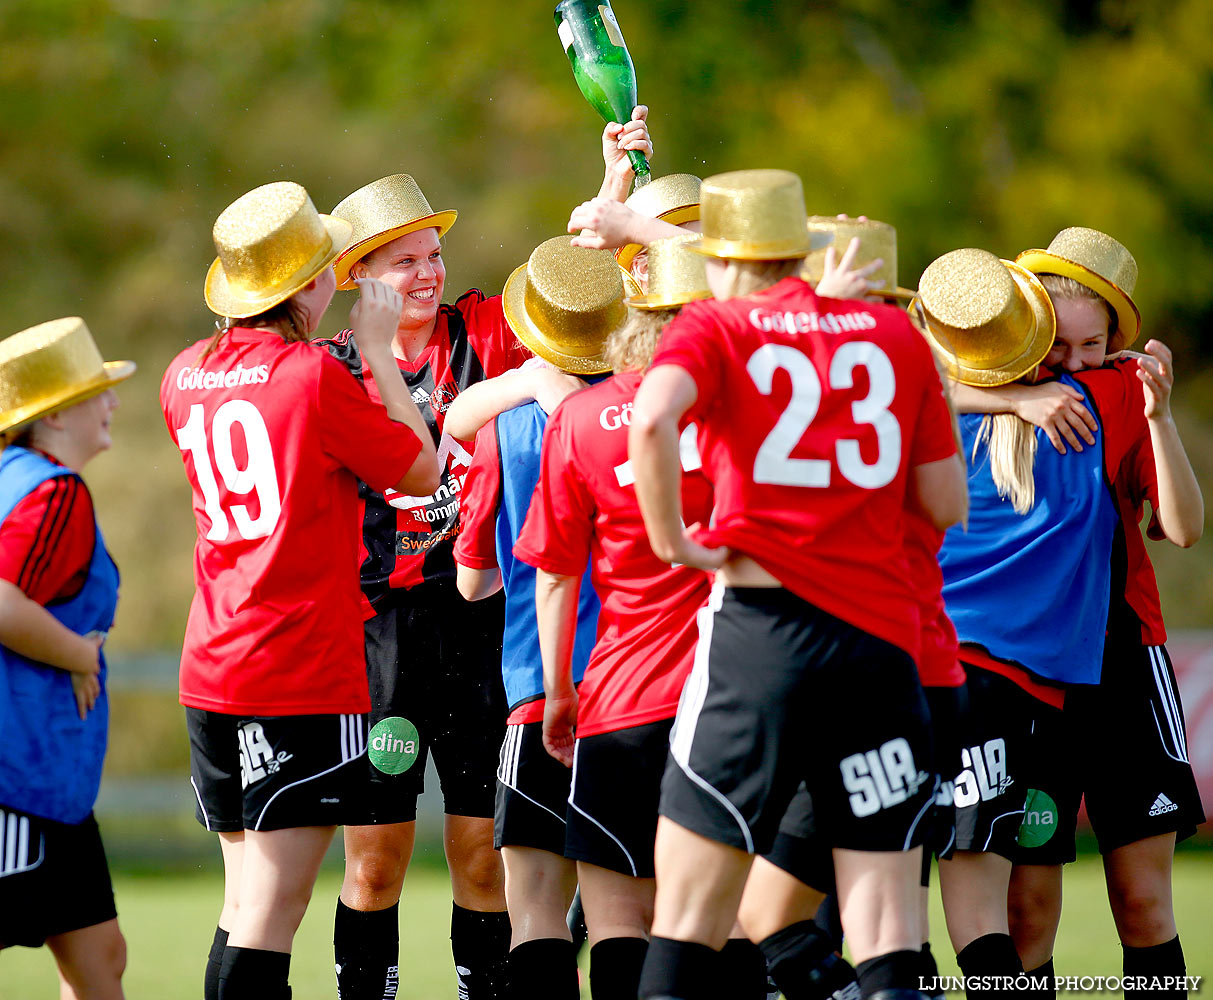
<point x="675" y="217"/>
<point x="442" y="221"/>
<point x="664" y="301"/>
<point x="114" y="372"/>
<point x="1033" y="353"/>
<point x="224" y="299"/>
<point x="1128" y="318"/>
<point x="747" y="250"/>
<point x="513" y="302"/>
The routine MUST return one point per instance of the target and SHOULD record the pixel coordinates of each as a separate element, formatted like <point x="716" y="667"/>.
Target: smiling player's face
<point x="412" y="265"/>
<point x="1082" y="335"/>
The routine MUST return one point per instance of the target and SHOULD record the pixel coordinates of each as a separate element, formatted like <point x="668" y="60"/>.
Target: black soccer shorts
<point x="274" y="772"/>
<point x="612" y="813"/>
<point x="53" y="878"/>
<point x="434" y="661"/>
<point x="782" y="692"/>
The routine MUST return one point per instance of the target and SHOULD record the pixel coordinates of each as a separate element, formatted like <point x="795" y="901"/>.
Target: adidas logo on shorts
<point x="1162" y="804"/>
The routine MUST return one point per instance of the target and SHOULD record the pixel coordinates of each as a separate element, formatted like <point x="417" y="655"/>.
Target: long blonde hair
<point x="1011" y="446"/>
<point x="632" y="346"/>
<point x="745" y="277"/>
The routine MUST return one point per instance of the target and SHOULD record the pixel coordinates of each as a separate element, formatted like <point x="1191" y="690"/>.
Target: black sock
<point x="615" y="965"/>
<point x="1161" y="960"/>
<point x="742" y="970"/>
<point x="1044" y="975"/>
<point x="829" y="919"/>
<point x="210" y="980"/>
<point x="543" y="967"/>
<point x="894" y="970"/>
<point x="929" y="972"/>
<point x="480" y="941"/>
<point x="803" y="964"/>
<point x="679" y="970"/>
<point x="366" y="950"/>
<point x="989" y="955"/>
<point x="254" y="974"/>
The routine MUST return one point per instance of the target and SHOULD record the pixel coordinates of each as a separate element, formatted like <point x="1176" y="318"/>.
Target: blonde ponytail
<point x="1011" y="447"/>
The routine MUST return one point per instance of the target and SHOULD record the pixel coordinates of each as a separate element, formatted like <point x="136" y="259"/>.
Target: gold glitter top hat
<point x="1102" y="264"/>
<point x="565" y="301"/>
<point x="755" y="215"/>
<point x="990" y="321"/>
<point x="271" y="243"/>
<point x="876" y="239"/>
<point x="50" y="367"/>
<point x="676" y="277"/>
<point x="380" y="212"/>
<point x="673" y="198"/>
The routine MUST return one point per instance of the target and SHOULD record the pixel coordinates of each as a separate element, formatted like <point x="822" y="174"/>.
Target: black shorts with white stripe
<point x="1125" y="748"/>
<point x="782" y="692"/>
<point x="53" y="878"/>
<point x="532" y="792"/>
<point x="274" y="772"/>
<point x="613" y="802"/>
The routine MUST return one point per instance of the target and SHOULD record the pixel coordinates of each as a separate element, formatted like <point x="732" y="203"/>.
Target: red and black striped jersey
<point x="408" y="540"/>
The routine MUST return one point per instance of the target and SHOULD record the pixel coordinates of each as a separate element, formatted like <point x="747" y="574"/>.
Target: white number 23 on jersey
<point x="258" y="474"/>
<point x="774" y="462"/>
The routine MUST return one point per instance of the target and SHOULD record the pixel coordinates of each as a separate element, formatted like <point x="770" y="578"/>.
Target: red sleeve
<point x="46" y="542"/>
<point x="691" y="343"/>
<point x="495" y="343"/>
<point x="560" y="522"/>
<point x="1117" y="394"/>
<point x="357" y="432"/>
<point x="933" y="437"/>
<point x="476" y="546"/>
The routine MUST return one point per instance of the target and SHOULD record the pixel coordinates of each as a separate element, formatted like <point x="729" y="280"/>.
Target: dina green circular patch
<point x="1039" y="819"/>
<point x="393" y="745"/>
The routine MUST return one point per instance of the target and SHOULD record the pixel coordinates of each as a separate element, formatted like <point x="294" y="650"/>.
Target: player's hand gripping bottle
<point x="601" y="64"/>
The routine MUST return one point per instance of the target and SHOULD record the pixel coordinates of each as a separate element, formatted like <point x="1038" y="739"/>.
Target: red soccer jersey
<point x="408" y="540"/>
<point x="938" y="665"/>
<point x="46" y="542"/>
<point x="274" y="437"/>
<point x="585" y="508"/>
<point x="811" y="412"/>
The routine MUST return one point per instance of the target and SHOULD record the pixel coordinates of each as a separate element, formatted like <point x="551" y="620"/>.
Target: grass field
<point x="168" y="920"/>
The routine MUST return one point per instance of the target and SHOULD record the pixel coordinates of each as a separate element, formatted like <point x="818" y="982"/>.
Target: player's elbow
<point x="476" y="584"/>
<point x="423" y="477"/>
<point x="1185" y="536"/>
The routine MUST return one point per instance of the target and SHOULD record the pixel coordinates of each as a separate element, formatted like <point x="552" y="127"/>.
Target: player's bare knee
<point x="1141" y="912"/>
<point x="379" y="867"/>
<point x="478" y="870"/>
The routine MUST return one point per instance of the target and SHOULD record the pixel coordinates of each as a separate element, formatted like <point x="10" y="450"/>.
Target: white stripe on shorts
<point x="507" y="774"/>
<point x="1170" y="708"/>
<point x="353" y="740"/>
<point x="573" y="792"/>
<point x="690" y="704"/>
<point x="15" y="838"/>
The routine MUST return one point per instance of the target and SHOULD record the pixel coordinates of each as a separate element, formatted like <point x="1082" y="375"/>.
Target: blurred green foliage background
<point x="126" y="126"/>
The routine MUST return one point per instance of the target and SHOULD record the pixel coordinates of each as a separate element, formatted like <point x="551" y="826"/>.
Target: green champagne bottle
<point x="601" y="64"/>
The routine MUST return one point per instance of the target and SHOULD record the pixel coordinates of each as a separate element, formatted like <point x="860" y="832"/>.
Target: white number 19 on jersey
<point x="259" y="474"/>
